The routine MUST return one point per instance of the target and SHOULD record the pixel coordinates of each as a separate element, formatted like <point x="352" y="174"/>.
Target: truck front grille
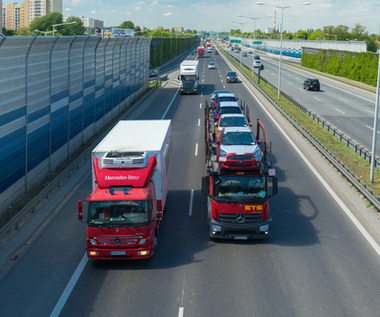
<point x="115" y="241"/>
<point x="232" y="218"/>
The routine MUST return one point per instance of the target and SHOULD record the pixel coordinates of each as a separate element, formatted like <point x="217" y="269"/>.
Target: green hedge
<point x="360" y="67"/>
<point x="171" y="47"/>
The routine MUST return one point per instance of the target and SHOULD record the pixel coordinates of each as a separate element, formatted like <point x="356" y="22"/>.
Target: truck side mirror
<point x="80" y="210"/>
<point x="205" y="185"/>
<point x="178" y="77"/>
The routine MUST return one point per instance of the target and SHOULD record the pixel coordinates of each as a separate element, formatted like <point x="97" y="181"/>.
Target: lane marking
<point x="180" y="312"/>
<point x="317" y="98"/>
<point x="369" y="111"/>
<point x="196" y="149"/>
<point x="191" y="202"/>
<point x="170" y="104"/>
<point x="344" y="207"/>
<point x="69" y="287"/>
<point x="339" y="110"/>
<point x="200" y="106"/>
<point x="371" y="128"/>
<point x="199" y="122"/>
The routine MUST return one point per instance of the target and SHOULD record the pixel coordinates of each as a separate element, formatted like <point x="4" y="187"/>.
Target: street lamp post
<point x="43" y="32"/>
<point x="56" y="25"/>
<point x="241" y="37"/>
<point x="374" y="135"/>
<point x="282" y="25"/>
<point x="254" y="21"/>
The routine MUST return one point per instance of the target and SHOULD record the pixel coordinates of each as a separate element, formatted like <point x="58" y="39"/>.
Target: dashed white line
<point x="180" y="312"/>
<point x="199" y="122"/>
<point x="317" y="98"/>
<point x="196" y="149"/>
<point x="200" y="106"/>
<point x="339" y="110"/>
<point x="371" y="128"/>
<point x="369" y="111"/>
<point x="191" y="202"/>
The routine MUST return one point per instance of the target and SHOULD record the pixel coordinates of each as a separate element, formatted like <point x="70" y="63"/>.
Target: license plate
<point x="240" y="237"/>
<point x="117" y="253"/>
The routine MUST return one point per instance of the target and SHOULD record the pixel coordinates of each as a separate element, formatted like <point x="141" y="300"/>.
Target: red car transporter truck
<point x="130" y="177"/>
<point x="237" y="193"/>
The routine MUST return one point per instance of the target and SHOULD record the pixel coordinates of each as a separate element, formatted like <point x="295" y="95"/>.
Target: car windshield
<point x="238" y="138"/>
<point x="233" y="122"/>
<point x="229" y="110"/>
<point x="124" y="212"/>
<point x="240" y="187"/>
<point x="231" y="74"/>
<point x="211" y="63"/>
<point x="188" y="77"/>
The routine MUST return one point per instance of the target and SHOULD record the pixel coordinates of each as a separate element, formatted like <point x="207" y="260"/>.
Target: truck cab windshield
<point x="240" y="187"/>
<point x="188" y="77"/>
<point x="125" y="213"/>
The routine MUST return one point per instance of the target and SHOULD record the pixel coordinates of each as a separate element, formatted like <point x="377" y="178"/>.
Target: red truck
<point x="201" y="52"/>
<point x="131" y="168"/>
<point x="238" y="198"/>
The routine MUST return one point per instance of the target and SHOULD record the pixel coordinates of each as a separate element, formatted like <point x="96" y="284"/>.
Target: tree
<point x="7" y="32"/>
<point x="302" y="35"/>
<point x="317" y="35"/>
<point x="45" y="22"/>
<point x="127" y="25"/>
<point x="71" y="29"/>
<point x="23" y="31"/>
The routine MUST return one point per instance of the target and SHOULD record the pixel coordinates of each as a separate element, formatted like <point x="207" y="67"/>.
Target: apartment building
<point x="92" y="23"/>
<point x="16" y="15"/>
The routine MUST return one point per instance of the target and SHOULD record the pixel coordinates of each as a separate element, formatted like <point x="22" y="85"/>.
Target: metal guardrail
<point x="370" y="195"/>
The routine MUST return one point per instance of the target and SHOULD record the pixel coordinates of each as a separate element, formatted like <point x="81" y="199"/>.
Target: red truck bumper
<point x="120" y="254"/>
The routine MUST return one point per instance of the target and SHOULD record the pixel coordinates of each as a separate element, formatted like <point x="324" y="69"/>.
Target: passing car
<point x="256" y="57"/>
<point x="258" y="64"/>
<point x="250" y="52"/>
<point x="211" y="65"/>
<point x="312" y="84"/>
<point x="216" y="52"/>
<point x="237" y="147"/>
<point x="232" y="77"/>
<point x="244" y="54"/>
<point x="153" y="72"/>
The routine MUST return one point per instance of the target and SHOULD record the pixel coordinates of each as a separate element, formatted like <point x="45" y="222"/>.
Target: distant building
<point x="17" y="15"/>
<point x="177" y="29"/>
<point x="92" y="23"/>
<point x="2" y="14"/>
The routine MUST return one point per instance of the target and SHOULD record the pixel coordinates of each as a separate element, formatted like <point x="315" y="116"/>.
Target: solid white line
<point x="170" y="104"/>
<point x="180" y="312"/>
<point x="371" y="128"/>
<point x="191" y="203"/>
<point x="199" y="122"/>
<point x="200" y="106"/>
<point x="69" y="287"/>
<point x="196" y="149"/>
<point x="338" y="110"/>
<point x="346" y="210"/>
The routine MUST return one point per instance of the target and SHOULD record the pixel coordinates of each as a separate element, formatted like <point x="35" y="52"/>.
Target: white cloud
<point x="155" y="3"/>
<point x="167" y="14"/>
<point x="67" y="9"/>
<point x="93" y="11"/>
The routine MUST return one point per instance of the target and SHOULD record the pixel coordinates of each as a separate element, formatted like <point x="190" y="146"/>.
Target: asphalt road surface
<point x="316" y="263"/>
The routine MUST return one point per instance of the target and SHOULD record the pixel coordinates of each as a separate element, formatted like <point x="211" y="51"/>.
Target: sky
<point x="221" y="15"/>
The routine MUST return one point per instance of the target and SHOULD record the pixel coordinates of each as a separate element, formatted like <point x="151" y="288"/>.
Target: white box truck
<point x="131" y="168"/>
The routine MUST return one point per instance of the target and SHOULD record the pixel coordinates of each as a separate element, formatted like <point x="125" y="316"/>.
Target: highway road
<point x="348" y="108"/>
<point x="318" y="262"/>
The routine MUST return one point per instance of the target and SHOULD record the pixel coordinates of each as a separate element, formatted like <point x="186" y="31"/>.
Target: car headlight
<point x="224" y="153"/>
<point x="257" y="152"/>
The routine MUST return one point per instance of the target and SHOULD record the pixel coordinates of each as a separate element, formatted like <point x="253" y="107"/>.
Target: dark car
<point x="256" y="57"/>
<point x="244" y="54"/>
<point x="311" y="84"/>
<point x="153" y="72"/>
<point x="232" y="77"/>
<point x="216" y="53"/>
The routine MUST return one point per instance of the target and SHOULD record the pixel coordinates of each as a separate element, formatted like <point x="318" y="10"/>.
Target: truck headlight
<point x="264" y="228"/>
<point x="216" y="228"/>
<point x="93" y="242"/>
<point x="142" y="241"/>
